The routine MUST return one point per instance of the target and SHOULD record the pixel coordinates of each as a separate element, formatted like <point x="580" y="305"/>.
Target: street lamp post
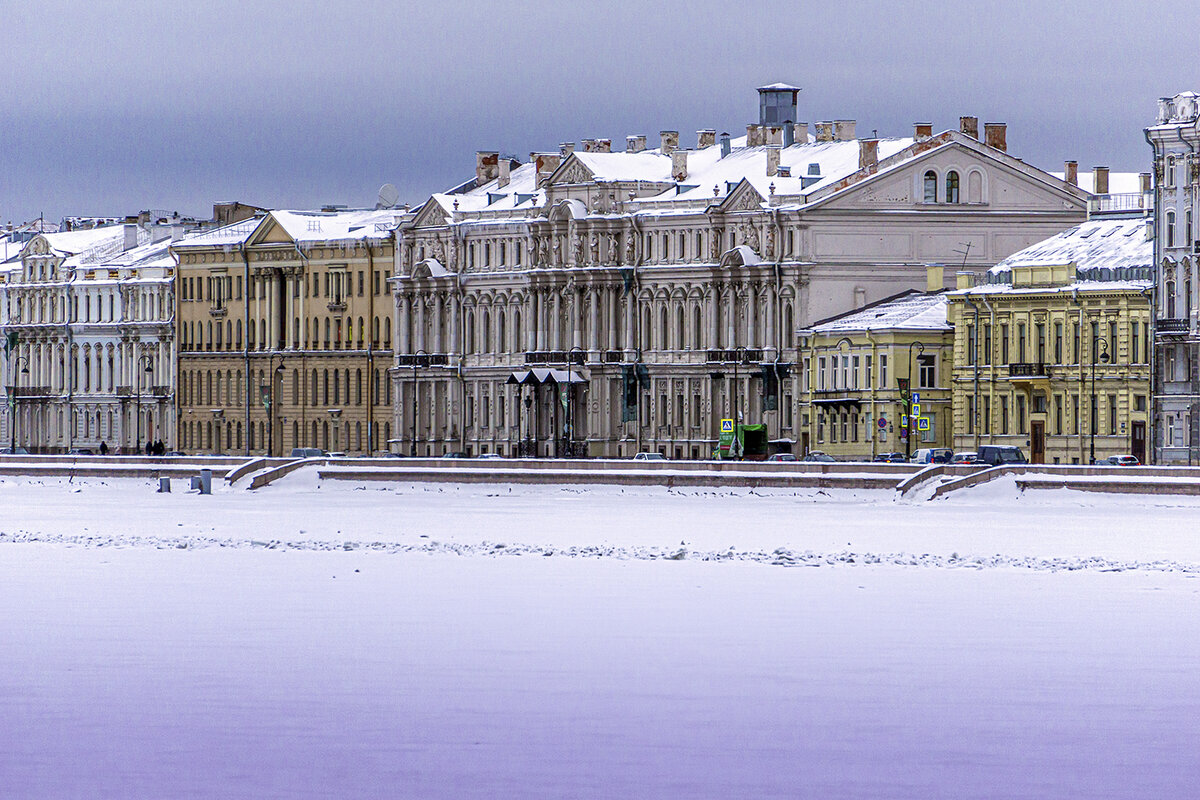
<point x="739" y="355"/>
<point x="415" y="361"/>
<point x="912" y="423"/>
<point x="571" y="400"/>
<point x="1103" y="345"/>
<point x="12" y="402"/>
<point x="137" y="409"/>
<point x="269" y="401"/>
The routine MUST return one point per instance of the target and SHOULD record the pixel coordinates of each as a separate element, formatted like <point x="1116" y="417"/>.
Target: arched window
<point x="1188" y="231"/>
<point x="951" y="187"/>
<point x="1170" y="228"/>
<point x="501" y="339"/>
<point x="375" y="333"/>
<point x="312" y="390"/>
<point x="931" y="186"/>
<point x="517" y="330"/>
<point x="680" y="338"/>
<point x="470" y="332"/>
<point x="697" y="327"/>
<point x="485" y="332"/>
<point x="362" y="334"/>
<point x="358" y="388"/>
<point x="295" y="386"/>
<point x="663" y="339"/>
<point x="337" y="389"/>
<point x="262" y="331"/>
<point x="238" y="329"/>
<point x="975" y="186"/>
<point x="387" y="333"/>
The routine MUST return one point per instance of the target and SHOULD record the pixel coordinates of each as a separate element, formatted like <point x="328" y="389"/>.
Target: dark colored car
<point x="819" y="457"/>
<point x="892" y="458"/>
<point x="1000" y="455"/>
<point x="965" y="458"/>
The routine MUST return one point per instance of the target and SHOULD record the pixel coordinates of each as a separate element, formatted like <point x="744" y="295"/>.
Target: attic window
<point x="931" y="183"/>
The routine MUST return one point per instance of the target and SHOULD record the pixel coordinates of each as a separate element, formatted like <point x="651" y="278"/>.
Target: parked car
<point x="20" y="451"/>
<point x="649" y="457"/>
<point x="456" y="454"/>
<point x="490" y="456"/>
<point x="965" y="458"/>
<point x="933" y="455"/>
<point x="998" y="455"/>
<point x="1126" y="461"/>
<point x="308" y="452"/>
<point x="892" y="458"/>
<point x="781" y="457"/>
<point x="80" y="451"/>
<point x="818" y="457"/>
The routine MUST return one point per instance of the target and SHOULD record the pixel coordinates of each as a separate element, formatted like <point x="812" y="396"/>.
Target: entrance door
<point x="1037" y="442"/>
<point x="804" y="444"/>
<point x="1137" y="441"/>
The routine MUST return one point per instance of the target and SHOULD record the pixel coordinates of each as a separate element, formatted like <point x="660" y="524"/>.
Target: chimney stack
<point x="545" y="164"/>
<point x="800" y="132"/>
<point x="131" y="236"/>
<point x="922" y="131"/>
<point x="772" y="160"/>
<point x="679" y="170"/>
<point x="604" y="145"/>
<point x="726" y="145"/>
<point x="502" y="176"/>
<point x="566" y="148"/>
<point x="969" y="126"/>
<point x="1071" y="172"/>
<point x="754" y="136"/>
<point x="964" y="280"/>
<point x="487" y="166"/>
<point x="824" y="131"/>
<point x="635" y="144"/>
<point x="589" y="145"/>
<point x="1144" y="182"/>
<point x="844" y="130"/>
<point x="668" y="141"/>
<point x="705" y="138"/>
<point x="1100" y="180"/>
<point x="935" y="278"/>
<point x="774" y="135"/>
<point x="995" y="134"/>
<point x="868" y="153"/>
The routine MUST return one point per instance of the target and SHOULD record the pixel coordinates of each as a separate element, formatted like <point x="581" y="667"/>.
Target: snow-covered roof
<point x="234" y="234"/>
<point x="521" y="192"/>
<point x="78" y="242"/>
<point x="913" y="310"/>
<point x="779" y="87"/>
<point x="1097" y="243"/>
<point x="336" y="226"/>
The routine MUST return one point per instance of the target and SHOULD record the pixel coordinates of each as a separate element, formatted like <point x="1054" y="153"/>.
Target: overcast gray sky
<point x="110" y="108"/>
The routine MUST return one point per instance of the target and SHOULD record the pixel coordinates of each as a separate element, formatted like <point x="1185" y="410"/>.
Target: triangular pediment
<point x="571" y="171"/>
<point x="432" y="214"/>
<point x="270" y="231"/>
<point x="744" y="197"/>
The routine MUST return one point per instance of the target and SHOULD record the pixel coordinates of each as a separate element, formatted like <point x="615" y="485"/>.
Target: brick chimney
<point x="922" y="131"/>
<point x="604" y="145"/>
<point x="935" y="277"/>
<point x="635" y="144"/>
<point x="1071" y="172"/>
<point x="706" y="138"/>
<point x="995" y="134"/>
<point x="774" y="135"/>
<point x="868" y="153"/>
<point x="487" y="166"/>
<point x="824" y="131"/>
<point x="755" y="136"/>
<point x="800" y="133"/>
<point x="566" y="148"/>
<point x="668" y="141"/>
<point x="843" y="130"/>
<point x="1144" y="182"/>
<point x="545" y="164"/>
<point x="679" y="170"/>
<point x="969" y="126"/>
<point x="1100" y="178"/>
<point x="589" y="145"/>
<point x="964" y="279"/>
<point x="502" y="176"/>
<point x="772" y="160"/>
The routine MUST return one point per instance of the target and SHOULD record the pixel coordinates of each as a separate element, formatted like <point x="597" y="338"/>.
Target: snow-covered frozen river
<point x="480" y="642"/>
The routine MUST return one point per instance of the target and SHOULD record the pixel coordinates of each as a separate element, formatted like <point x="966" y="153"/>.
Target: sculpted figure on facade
<point x="770" y="249"/>
<point x="613" y="248"/>
<point x="594" y="250"/>
<point x="629" y="250"/>
<point x="576" y="250"/>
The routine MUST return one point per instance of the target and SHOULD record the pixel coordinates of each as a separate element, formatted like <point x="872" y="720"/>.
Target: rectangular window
<point x="845" y="373"/>
<point x="375" y="283"/>
<point x="1075" y="414"/>
<point x="1021" y="343"/>
<point x="931" y="434"/>
<point x="854" y="372"/>
<point x="821" y="374"/>
<point x="662" y="411"/>
<point x="987" y="344"/>
<point x="362" y="283"/>
<point x="820" y="428"/>
<point x="485" y="416"/>
<point x="695" y="411"/>
<point x="806" y="376"/>
<point x="1077" y="357"/>
<point x="1112" y="341"/>
<point x="1058" y="414"/>
<point x="987" y="415"/>
<point x="1139" y="402"/>
<point x="1133" y="343"/>
<point x="927" y="377"/>
<point x="867" y="375"/>
<point x="787" y="410"/>
<point x="883" y="366"/>
<point x="1004" y="415"/>
<point x="971" y="344"/>
<point x="1058" y="343"/>
<point x="1020" y="413"/>
<point x="971" y="414"/>
<point x="1004" y="345"/>
<point x="1041" y="342"/>
<point x="1093" y="422"/>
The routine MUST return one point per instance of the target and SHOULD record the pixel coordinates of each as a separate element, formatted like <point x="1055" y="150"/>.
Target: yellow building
<point x="297" y="301"/>
<point x="857" y="372"/>
<point x="1052" y="352"/>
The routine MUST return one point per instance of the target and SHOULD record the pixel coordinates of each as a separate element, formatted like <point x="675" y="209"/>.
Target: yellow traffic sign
<point x="922" y="423"/>
<point x="726" y="426"/>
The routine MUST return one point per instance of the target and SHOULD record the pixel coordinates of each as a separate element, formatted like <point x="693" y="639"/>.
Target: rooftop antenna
<point x="388" y="196"/>
<point x="966" y="251"/>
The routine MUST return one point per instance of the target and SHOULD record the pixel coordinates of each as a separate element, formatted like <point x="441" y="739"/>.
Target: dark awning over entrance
<point x="836" y="403"/>
<point x="542" y="375"/>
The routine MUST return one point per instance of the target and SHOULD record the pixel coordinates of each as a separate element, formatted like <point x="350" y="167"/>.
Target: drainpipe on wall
<point x="246" y="338"/>
<point x="991" y="366"/>
<point x="975" y="365"/>
<point x="874" y="383"/>
<point x="1082" y="334"/>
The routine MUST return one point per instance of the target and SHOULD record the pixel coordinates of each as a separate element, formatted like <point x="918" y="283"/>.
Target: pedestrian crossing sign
<point x="726" y="426"/>
<point x="922" y="423"/>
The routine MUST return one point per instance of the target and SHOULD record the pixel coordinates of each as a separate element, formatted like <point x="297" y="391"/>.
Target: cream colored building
<point x="860" y="370"/>
<point x="1052" y="353"/>
<point x="284" y="331"/>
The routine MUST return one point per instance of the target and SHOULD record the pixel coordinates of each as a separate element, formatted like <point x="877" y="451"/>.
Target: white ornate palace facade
<point x="1175" y="138"/>
<point x="87" y="317"/>
<point x="600" y="302"/>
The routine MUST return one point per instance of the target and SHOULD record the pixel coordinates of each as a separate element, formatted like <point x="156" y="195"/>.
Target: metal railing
<point x="1027" y="370"/>
<point x="1171" y="326"/>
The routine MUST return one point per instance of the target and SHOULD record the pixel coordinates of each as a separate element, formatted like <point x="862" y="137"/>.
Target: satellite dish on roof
<point x="388" y="196"/>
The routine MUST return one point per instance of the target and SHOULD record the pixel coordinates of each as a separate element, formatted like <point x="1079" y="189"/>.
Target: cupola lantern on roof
<point x="777" y="104"/>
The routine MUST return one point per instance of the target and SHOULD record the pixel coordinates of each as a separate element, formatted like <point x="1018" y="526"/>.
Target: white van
<point x="932" y="455"/>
